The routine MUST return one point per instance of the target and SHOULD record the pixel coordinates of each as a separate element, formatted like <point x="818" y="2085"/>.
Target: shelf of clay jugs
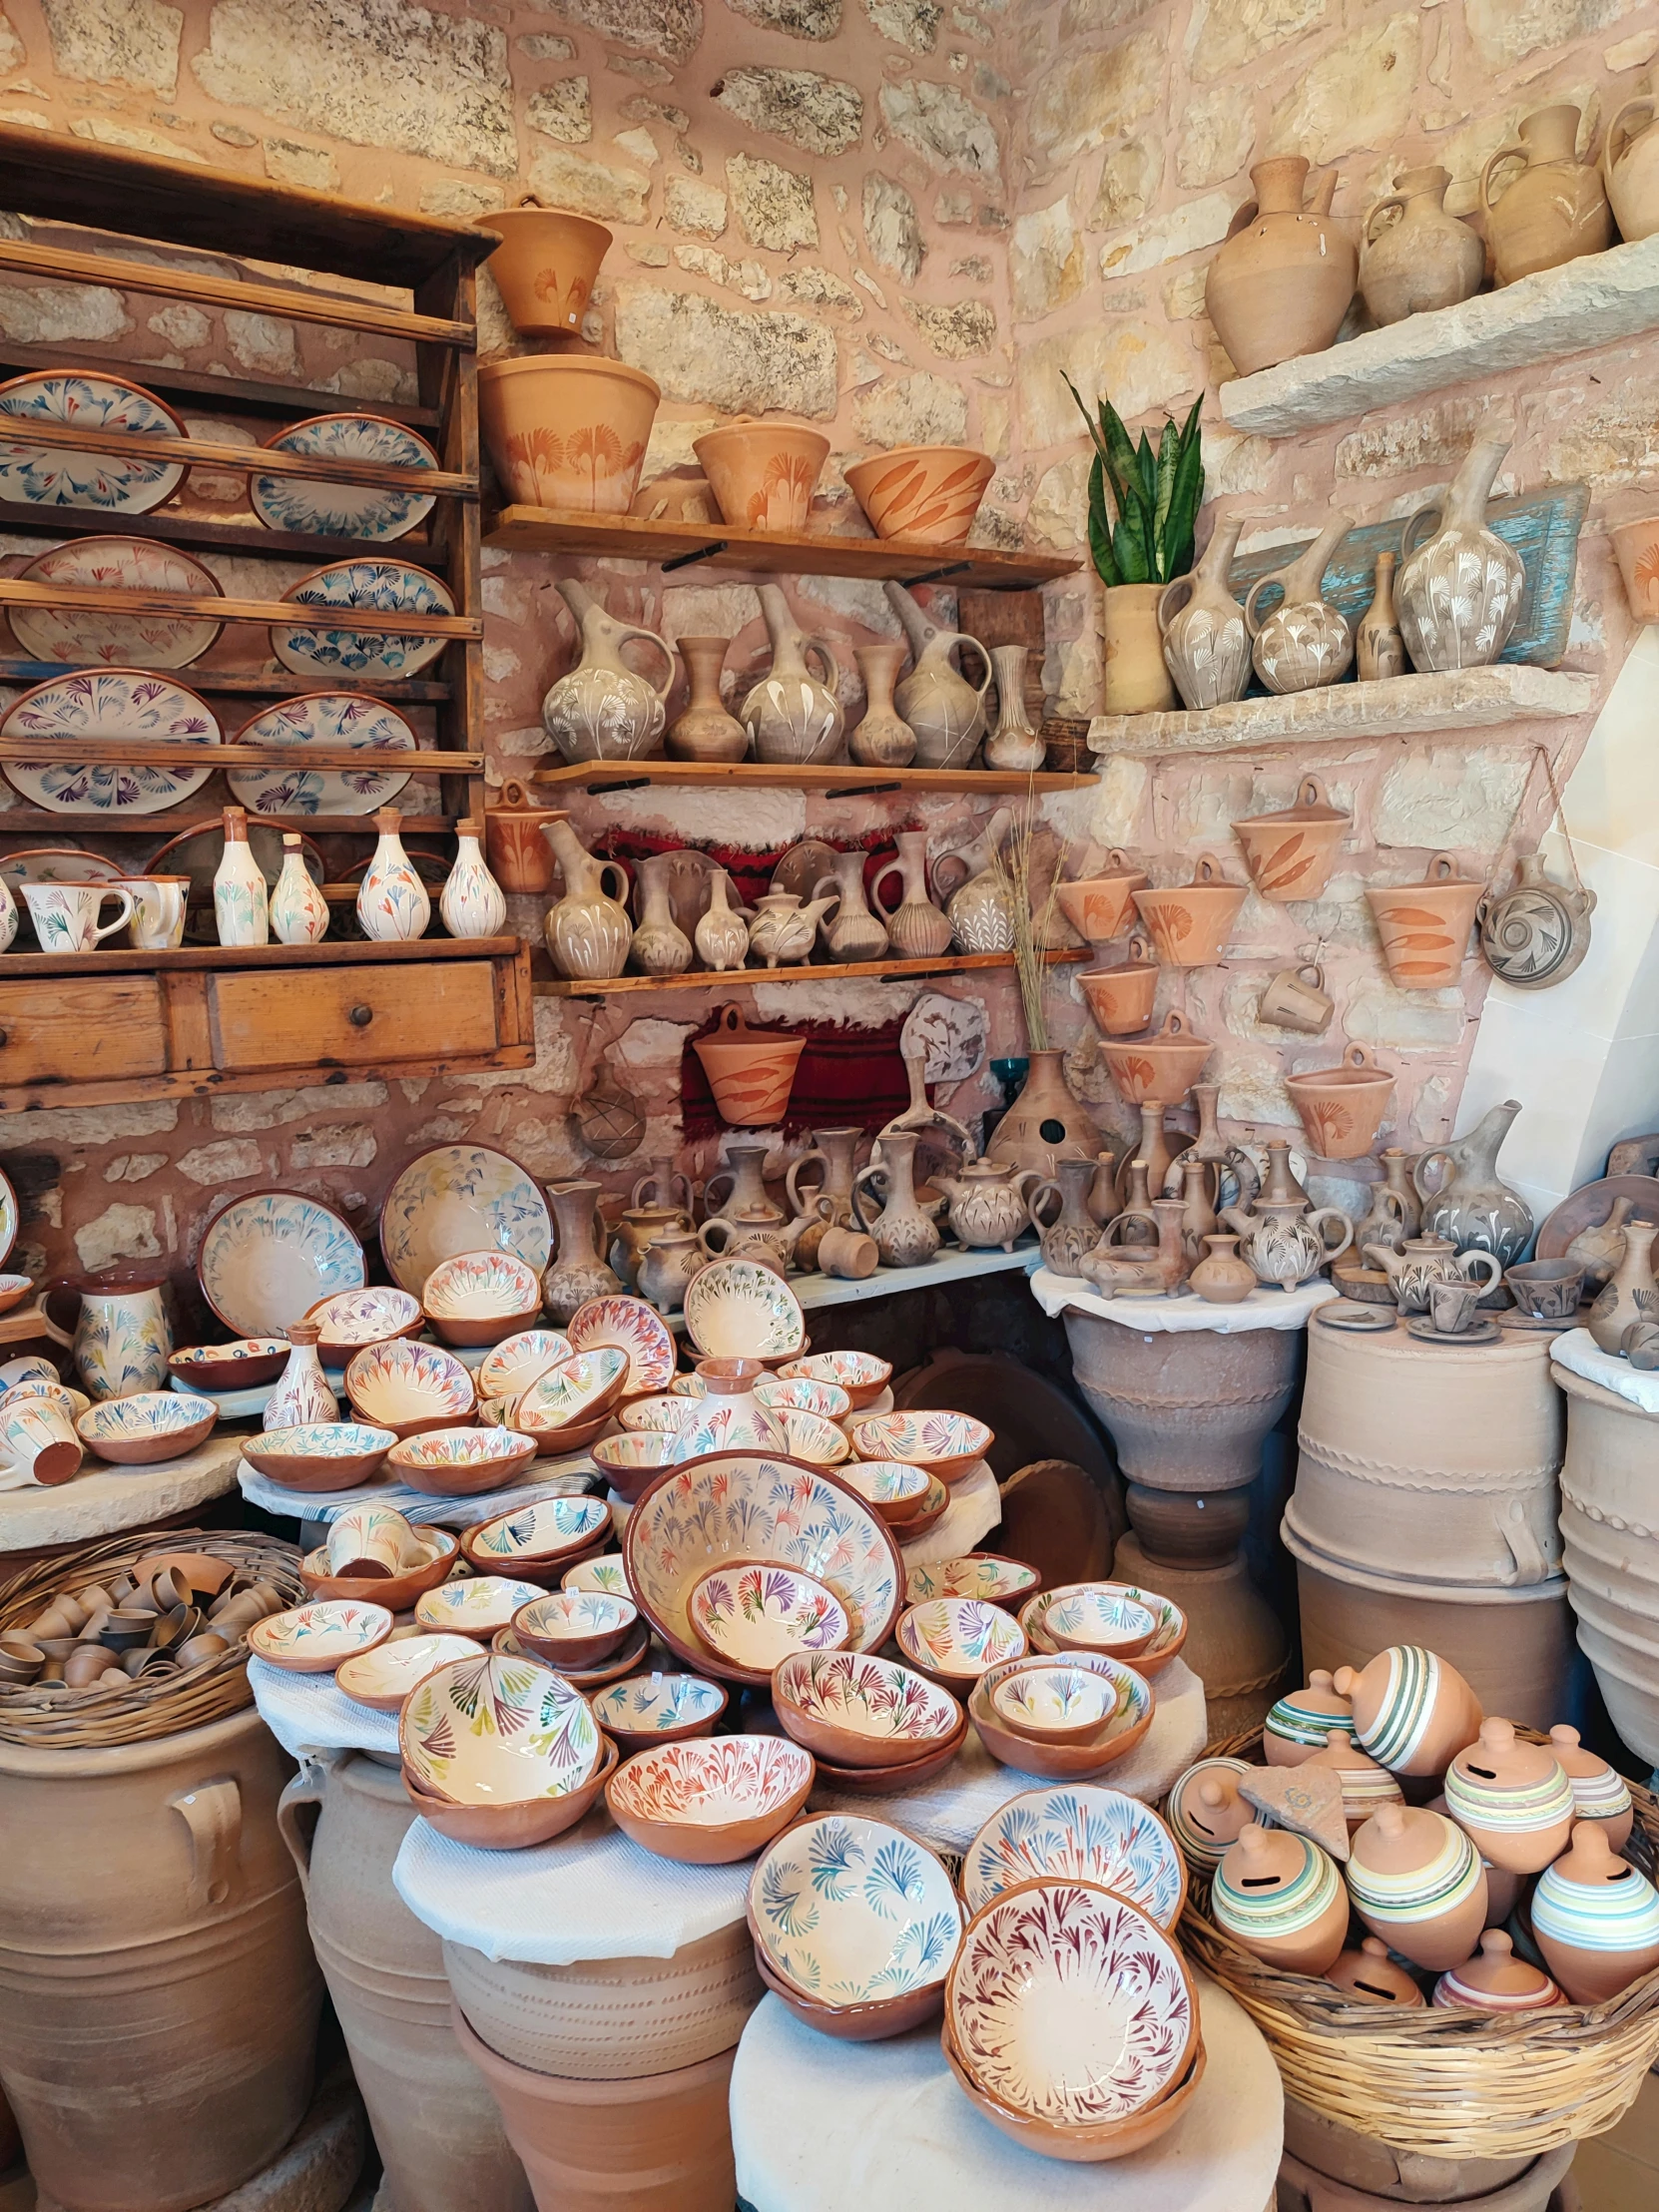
<point x="847" y="777"/>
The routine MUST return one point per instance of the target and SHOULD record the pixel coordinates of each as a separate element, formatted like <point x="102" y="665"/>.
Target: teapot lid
<point x="1495" y="1972"/>
<point x="1371" y="1975"/>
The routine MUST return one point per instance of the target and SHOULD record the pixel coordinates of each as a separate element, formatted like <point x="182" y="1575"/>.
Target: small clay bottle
<point x="1206" y="1810"/>
<point x="1370" y="1975"/>
<point x="1495" y="1980"/>
<point x="1596" y="1919"/>
<point x="1301" y="1723"/>
<point x="1418" y="1882"/>
<point x="1365" y="1785"/>
<point x="1512" y="1799"/>
<point x="1281" y="1898"/>
<point x="1413" y="1710"/>
<point x="1379" y="644"/>
<point x="1599" y="1792"/>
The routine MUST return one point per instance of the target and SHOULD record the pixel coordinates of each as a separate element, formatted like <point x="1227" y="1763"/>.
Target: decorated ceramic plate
<point x="736" y="1308"/>
<point x="322" y="718"/>
<point x="475" y="1607"/>
<point x="1078" y="1829"/>
<point x="269" y="1256"/>
<point x="388" y="587"/>
<point x="632" y="1326"/>
<point x="345" y="510"/>
<point x="462" y="1198"/>
<point x="117" y="564"/>
<point x="107" y="703"/>
<point x="58" y="864"/>
<point x="39" y="475"/>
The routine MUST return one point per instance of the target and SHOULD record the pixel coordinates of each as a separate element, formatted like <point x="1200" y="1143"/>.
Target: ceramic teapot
<point x="1306" y="641"/>
<point x="1206" y="644"/>
<point x="1495" y="1980"/>
<point x="1418" y="1882"/>
<point x="1281" y="1898"/>
<point x="1596" y="1919"/>
<point x="947" y="712"/>
<point x="1113" y="1271"/>
<point x="1421" y="1262"/>
<point x="603" y="710"/>
<point x="1536" y="932"/>
<point x="1300" y="1723"/>
<point x="1512" y="1798"/>
<point x="750" y="1233"/>
<point x="637" y="1229"/>
<point x="988" y="1203"/>
<point x="588" y="930"/>
<point x="1458" y="595"/>
<point x="794" y="717"/>
<point x="1599" y="1792"/>
<point x="1413" y="1710"/>
<point x="1287" y="1243"/>
<point x="783" y="931"/>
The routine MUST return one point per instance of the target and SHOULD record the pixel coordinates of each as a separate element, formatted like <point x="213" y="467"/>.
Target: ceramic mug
<point x="158" y="901"/>
<point x="64" y="916"/>
<point x="1295" y="998"/>
<point x="1451" y="1307"/>
<point x="38" y="1440"/>
<point x="370" y="1541"/>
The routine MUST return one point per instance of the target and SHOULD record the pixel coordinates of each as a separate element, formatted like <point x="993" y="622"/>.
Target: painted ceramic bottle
<point x="588" y="932"/>
<point x="1458" y="595"/>
<point x="1631" y="1295"/>
<point x="1379" y="644"/>
<point x="393" y="902"/>
<point x="1014" y="742"/>
<point x="792" y="717"/>
<point x="721" y="934"/>
<point x="241" y="900"/>
<point x="917" y="927"/>
<point x="1306" y="641"/>
<point x="1206" y="645"/>
<point x="301" y="1394"/>
<point x="471" y="903"/>
<point x="298" y="910"/>
<point x="603" y="710"/>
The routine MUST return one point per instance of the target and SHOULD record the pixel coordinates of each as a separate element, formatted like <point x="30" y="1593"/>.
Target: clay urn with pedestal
<point x="1418" y="1882"/>
<point x="1283" y="280"/>
<point x="1280" y="1897"/>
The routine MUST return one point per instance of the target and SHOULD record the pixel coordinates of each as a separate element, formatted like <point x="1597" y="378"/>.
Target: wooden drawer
<point x="78" y="1029"/>
<point x="351" y="1016"/>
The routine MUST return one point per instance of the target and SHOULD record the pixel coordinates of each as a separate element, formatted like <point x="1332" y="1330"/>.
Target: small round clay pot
<point x="1596" y="1919"/>
<point x="1599" y="1792"/>
<point x="1206" y="1810"/>
<point x="1160" y="1069"/>
<point x="763" y="473"/>
<point x="1418" y="1882"/>
<point x="1221" y="1278"/>
<point x="545" y="265"/>
<point x="1512" y="1799"/>
<point x="1281" y="1898"/>
<point x="1300" y="1725"/>
<point x="1191" y="923"/>
<point x="1495" y="1980"/>
<point x="1370" y="1975"/>
<point x="1547" y="1290"/>
<point x="1413" y="1711"/>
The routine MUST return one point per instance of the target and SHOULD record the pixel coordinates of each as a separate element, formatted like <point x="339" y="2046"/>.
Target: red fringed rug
<point x="844" y="1078"/>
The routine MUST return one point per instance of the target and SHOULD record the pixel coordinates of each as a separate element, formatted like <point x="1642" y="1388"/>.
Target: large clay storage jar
<point x="159" y="1999"/>
<point x="1290" y="853"/>
<point x="1555" y="210"/>
<point x="1630" y="168"/>
<point x="1341" y="1108"/>
<point x="1190" y="924"/>
<point x="1611" y="1531"/>
<point x="1427" y="259"/>
<point x="545" y="265"/>
<point x="1137" y="679"/>
<point x="567" y="430"/>
<point x="1425" y="927"/>
<point x="1188" y="1411"/>
<point x="763" y="474"/>
<point x="1281" y="283"/>
<point x="436" y="2123"/>
<point x="930" y="493"/>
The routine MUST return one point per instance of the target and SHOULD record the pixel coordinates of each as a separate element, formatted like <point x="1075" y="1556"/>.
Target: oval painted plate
<point x="39" y="475"/>
<point x="117" y="564"/>
<point x="1080" y="1829"/>
<point x="389" y="587"/>
<point x="633" y="1327"/>
<point x="270" y="1255"/>
<point x="107" y="703"/>
<point x="59" y="864"/>
<point x="322" y="718"/>
<point x="462" y="1198"/>
<point x="345" y="510"/>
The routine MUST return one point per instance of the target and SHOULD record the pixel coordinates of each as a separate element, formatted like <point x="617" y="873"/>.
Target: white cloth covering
<point x="1577" y="1350"/>
<point x="1174" y="1316"/>
<point x="309" y="1715"/>
<point x="561" y="1478"/>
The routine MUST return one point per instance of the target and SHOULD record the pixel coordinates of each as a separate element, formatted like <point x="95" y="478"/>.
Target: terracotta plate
<point x="1590" y="1206"/>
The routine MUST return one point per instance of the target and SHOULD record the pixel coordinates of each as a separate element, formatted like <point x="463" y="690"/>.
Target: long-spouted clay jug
<point x="792" y="717"/>
<point x="1305" y="641"/>
<point x="1206" y="644"/>
<point x="1283" y="280"/>
<point x="588" y="932"/>
<point x="603" y="710"/>
<point x="944" y="710"/>
<point x="1458" y="596"/>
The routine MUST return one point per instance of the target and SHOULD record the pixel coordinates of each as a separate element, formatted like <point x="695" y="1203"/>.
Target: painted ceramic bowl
<point x="896" y="1491"/>
<point x="460" y="1462"/>
<point x="799" y="1395"/>
<point x="574" y="1628"/>
<point x="629" y="1463"/>
<point x="752" y="1617"/>
<point x="514" y="1364"/>
<point x="946" y="1444"/>
<point x="409" y="1388"/>
<point x="1091" y="1616"/>
<point x="1083" y="1831"/>
<point x="598" y="1574"/>
<point x="518" y="1825"/>
<point x="628" y="1658"/>
<point x="462" y="1198"/>
<point x="269" y="1257"/>
<point x="488" y="1731"/>
<point x="320" y="1455"/>
<point x="954" y="1640"/>
<point x="888" y="1781"/>
<point x="14" y="1288"/>
<point x="1054" y="1703"/>
<point x="934" y="1506"/>
<point x="1167" y="1638"/>
<point x="739" y="1310"/>
<point x="397" y="1592"/>
<point x="1075" y="1762"/>
<point x="241" y="1365"/>
<point x="136" y="1431"/>
<point x="475" y="1606"/>
<point x="856" y="1711"/>
<point x="537" y="1539"/>
<point x="658" y="1416"/>
<point x="373" y="1314"/>
<point x="817" y="1441"/>
<point x="860" y="1373"/>
<point x="982" y="1574"/>
<point x="630" y="1326"/>
<point x="382" y="1678"/>
<point x="479" y="1297"/>
<point x="748" y="1507"/>
<point x="569" y="1403"/>
<point x="853" y="1911"/>
<point x="651" y="1709"/>
<point x="315" y="1638"/>
<point x="711" y="1799"/>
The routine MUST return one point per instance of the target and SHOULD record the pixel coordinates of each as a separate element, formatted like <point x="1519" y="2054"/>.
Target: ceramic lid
<point x="1371" y="1975"/>
<point x="1496" y="1971"/>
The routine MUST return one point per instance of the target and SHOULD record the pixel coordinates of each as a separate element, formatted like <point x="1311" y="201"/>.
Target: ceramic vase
<point x="905" y="1236"/>
<point x="916" y="928"/>
<point x="721" y="935"/>
<point x="302" y="1393"/>
<point x="1379" y="642"/>
<point x="576" y="1272"/>
<point x="1206" y="645"/>
<point x="854" y="933"/>
<point x="705" y="731"/>
<point x="750" y="1071"/>
<point x="1555" y="210"/>
<point x="1305" y="641"/>
<point x="471" y="903"/>
<point x="1459" y="594"/>
<point x="1290" y="853"/>
<point x="1135" y="677"/>
<point x="242" y="899"/>
<point x="588" y="932"/>
<point x="1073" y="1230"/>
<point x="660" y="946"/>
<point x="1222" y="1278"/>
<point x="1014" y="742"/>
<point x="1630" y="168"/>
<point x="1537" y="932"/>
<point x="297" y="910"/>
<point x="763" y="473"/>
<point x="883" y="739"/>
<point x="1468" y="1202"/>
<point x="393" y="902"/>
<point x="1283" y="280"/>
<point x="519" y="853"/>
<point x="792" y="717"/>
<point x="1631" y="1295"/>
<point x="747" y="1192"/>
<point x="1425" y="927"/>
<point x="603" y="710"/>
<point x="663" y="1186"/>
<point x="947" y="712"/>
<point x="1425" y="260"/>
<point x="122" y="1333"/>
<point x="1045" y="1124"/>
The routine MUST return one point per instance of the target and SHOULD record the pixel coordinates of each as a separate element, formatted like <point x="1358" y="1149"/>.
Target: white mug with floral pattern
<point x="64" y="916"/>
<point x="159" y="904"/>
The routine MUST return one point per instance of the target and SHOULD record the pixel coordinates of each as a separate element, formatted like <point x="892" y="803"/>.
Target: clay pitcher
<point x="1467" y="1200"/>
<point x="1631" y="1295"/>
<point x="1305" y="641"/>
<point x="944" y="710"/>
<point x="1427" y="259"/>
<point x="1290" y="853"/>
<point x="667" y="1265"/>
<point x="1555" y="210"/>
<point x="577" y="1272"/>
<point x="588" y="930"/>
<point x="916" y="928"/>
<point x="904" y="1234"/>
<point x="1458" y="595"/>
<point x="1072" y="1231"/>
<point x="519" y="854"/>
<point x="660" y="946"/>
<point x="883" y="739"/>
<point x="1425" y="927"/>
<point x="703" y="731"/>
<point x="855" y="934"/>
<point x="721" y="934"/>
<point x="122" y="1333"/>
<point x="1630" y="168"/>
<point x="748" y="1191"/>
<point x="1206" y="645"/>
<point x="792" y="717"/>
<point x="836" y="1152"/>
<point x="973" y="883"/>
<point x="601" y="710"/>
<point x="1281" y="281"/>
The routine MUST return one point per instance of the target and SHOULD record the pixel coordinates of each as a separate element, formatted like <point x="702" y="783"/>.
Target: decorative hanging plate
<point x="270" y="1255"/>
<point x="117" y="564"/>
<point x="462" y="1198"/>
<point x="390" y="587"/>
<point x="345" y="510"/>
<point x="950" y="1034"/>
<point x="8" y="1236"/>
<point x="322" y="718"/>
<point x="107" y="703"/>
<point x="39" y="475"/>
<point x="58" y="864"/>
<point x="801" y="865"/>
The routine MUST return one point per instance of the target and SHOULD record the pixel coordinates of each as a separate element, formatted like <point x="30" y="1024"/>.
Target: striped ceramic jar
<point x="1365" y="1785"/>
<point x="1430" y="1913"/>
<point x="1590" y="1931"/>
<point x="1599" y="1792"/>
<point x="1496" y="1982"/>
<point x="1420" y="1693"/>
<point x="1266" y="1919"/>
<point x="1299" y="1723"/>
<point x="1515" y="1802"/>
<point x="1184" y="1812"/>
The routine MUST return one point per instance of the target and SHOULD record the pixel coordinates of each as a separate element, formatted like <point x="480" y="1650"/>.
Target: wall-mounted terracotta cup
<point x="1637" y="546"/>
<point x="927" y="492"/>
<point x="1191" y="923"/>
<point x="1295" y="998"/>
<point x="1341" y="1108"/>
<point x="567" y="430"/>
<point x="763" y="474"/>
<point x="1426" y="926"/>
<point x="1290" y="853"/>
<point x="1097" y="906"/>
<point x="1161" y="1069"/>
<point x="1120" y="998"/>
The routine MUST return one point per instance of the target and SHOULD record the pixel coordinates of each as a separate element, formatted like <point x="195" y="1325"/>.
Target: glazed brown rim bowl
<point x="469" y="1478"/>
<point x="203" y="1373"/>
<point x="484" y="1329"/>
<point x="838" y="1748"/>
<point x="709" y="1843"/>
<point x="883" y="1781"/>
<point x="857" y="2024"/>
<point x="395" y="1591"/>
<point x="513" y="1827"/>
<point x="581" y="1653"/>
<point x="1080" y="2145"/>
<point x="1058" y="1762"/>
<point x="296" y="1470"/>
<point x="631" y="1482"/>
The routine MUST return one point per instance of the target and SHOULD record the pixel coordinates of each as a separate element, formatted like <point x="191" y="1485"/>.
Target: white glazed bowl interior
<point x="874" y="1698"/>
<point x="959" y="1636"/>
<point x="542" y="1530"/>
<point x="492" y="1730"/>
<point x="849" y="1911"/>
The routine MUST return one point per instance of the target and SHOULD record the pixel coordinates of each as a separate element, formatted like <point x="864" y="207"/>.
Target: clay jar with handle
<point x="743" y="1172"/>
<point x="588" y="930"/>
<point x="601" y="710"/>
<point x="1097" y="906"/>
<point x="1121" y="998"/>
<point x="1460" y="593"/>
<point x="1630" y="168"/>
<point x="791" y="716"/>
<point x="854" y="933"/>
<point x="750" y="1071"/>
<point x="1341" y="1108"/>
<point x="705" y="731"/>
<point x="1596" y="1919"/>
<point x="1305" y="641"/>
<point x="1465" y="1200"/>
<point x="1283" y="280"/>
<point x="836" y="1152"/>
<point x="1290" y="853"/>
<point x="519" y="853"/>
<point x="667" y="1265"/>
<point x="1427" y="259"/>
<point x="1418" y="1882"/>
<point x="1631" y="1294"/>
<point x="947" y="712"/>
<point x="763" y="474"/>
<point x="916" y="928"/>
<point x="1512" y="1799"/>
<point x="1160" y="1069"/>
<point x="1280" y="1897"/>
<point x="1206" y="644"/>
<point x="576" y="1273"/>
<point x="1421" y="1262"/>
<point x="1190" y="922"/>
<point x="1555" y="210"/>
<point x="1425" y="927"/>
<point x="882" y="739"/>
<point x="903" y="1235"/>
<point x="1072" y="1231"/>
<point x="1295" y="998"/>
<point x="1413" y="1711"/>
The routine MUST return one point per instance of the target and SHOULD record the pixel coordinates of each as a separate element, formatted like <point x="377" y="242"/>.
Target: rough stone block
<point x="742" y="364"/>
<point x="943" y="125"/>
<point x="1045" y="260"/>
<point x="110" y="42"/>
<point x="672" y="29"/>
<point x="1083" y="99"/>
<point x="562" y="110"/>
<point x="820" y="114"/>
<point x="773" y="205"/>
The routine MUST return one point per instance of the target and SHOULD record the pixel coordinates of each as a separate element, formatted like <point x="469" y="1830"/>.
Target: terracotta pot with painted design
<point x="1191" y="923"/>
<point x="1425" y="927"/>
<point x="567" y="430"/>
<point x="1341" y="1108"/>
<point x="1290" y="853"/>
<point x="763" y="473"/>
<point x="927" y="492"/>
<point x="545" y="265"/>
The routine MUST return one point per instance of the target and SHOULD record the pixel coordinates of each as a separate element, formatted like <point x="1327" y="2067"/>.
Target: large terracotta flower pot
<point x="1426" y="926"/>
<point x="567" y="430"/>
<point x="545" y="265"/>
<point x="763" y="474"/>
<point x="1187" y="1411"/>
<point x="1341" y="1108"/>
<point x="930" y="493"/>
<point x="158" y="1995"/>
<point x="439" y="2134"/>
<point x="750" y="1071"/>
<point x="1612" y="1552"/>
<point x="1137" y="676"/>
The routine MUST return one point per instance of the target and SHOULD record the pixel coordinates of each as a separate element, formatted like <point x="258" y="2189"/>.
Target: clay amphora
<point x="1014" y="742"/>
<point x="744" y="1163"/>
<point x="987" y="1203"/>
<point x="1073" y="1230"/>
<point x="1630" y="168"/>
<point x="763" y="473"/>
<point x="1341" y="1108"/>
<point x="721" y="934"/>
<point x="1305" y="641"/>
<point x="519" y="853"/>
<point x="854" y="933"/>
<point x="1428" y="258"/>
<point x="1121" y="998"/>
<point x="1459" y="594"/>
<point x="1418" y="1882"/>
<point x="300" y="1394"/>
<point x="1599" y="1792"/>
<point x="660" y="946"/>
<point x="1596" y="1919"/>
<point x="883" y="739"/>
<point x="1372" y="1976"/>
<point x="1301" y="1722"/>
<point x="903" y="1235"/>
<point x="1045" y="1124"/>
<point x="1512" y="1799"/>
<point x="1290" y="853"/>
<point x="1413" y="1711"/>
<point x="471" y="903"/>
<point x="1555" y="210"/>
<point x="1467" y="1201"/>
<point x="1281" y="283"/>
<point x="1537" y="932"/>
<point x="577" y="1272"/>
<point x="667" y="1265"/>
<point x="703" y="731"/>
<point x="588" y="930"/>
<point x="1631" y="1295"/>
<point x="836" y="1151"/>
<point x="1190" y="922"/>
<point x="1206" y="645"/>
<point x="1424" y="1260"/>
<point x="1222" y="1278"/>
<point x="1281" y="1898"/>
<point x="1113" y="1269"/>
<point x="1135" y="677"/>
<point x="783" y="931"/>
<point x="636" y="1230"/>
<point x="792" y="717"/>
<point x="601" y="710"/>
<point x="1286" y="1245"/>
<point x="1098" y="905"/>
<point x="944" y="710"/>
<point x="1379" y="642"/>
<point x="916" y="928"/>
<point x="1425" y="927"/>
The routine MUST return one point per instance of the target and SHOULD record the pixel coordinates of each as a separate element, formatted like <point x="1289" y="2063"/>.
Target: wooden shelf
<point x="33" y="821"/>
<point x="848" y="779"/>
<point x="251" y="683"/>
<point x="683" y="544"/>
<point x="190" y="958"/>
<point x="187" y="388"/>
<point x="202" y="536"/>
<point x="284" y="613"/>
<point x="835" y="971"/>
<point x="138" y="752"/>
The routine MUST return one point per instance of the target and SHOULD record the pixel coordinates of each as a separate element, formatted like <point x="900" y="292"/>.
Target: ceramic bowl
<point x="241" y="1365"/>
<point x="713" y="1800"/>
<point x="817" y="1441"/>
<point x="315" y="1638"/>
<point x="518" y="1826"/>
<point x="750" y="1505"/>
<point x="750" y="1617"/>
<point x="954" y="1640"/>
<point x="489" y="1731"/>
<point x="462" y="1198"/>
<point x="1167" y="1638"/>
<point x="887" y="1782"/>
<point x="569" y="1403"/>
<point x="461" y="1463"/>
<point x="136" y="1431"/>
<point x="538" y="1539"/>
<point x="269" y="1256"/>
<point x="397" y="1592"/>
<point x="799" y="1395"/>
<point x="1054" y="1703"/>
<point x="946" y="1444"/>
<point x="658" y="1416"/>
<point x="382" y="1678"/>
<point x="628" y="1658"/>
<point x="320" y="1455"/>
<point x="1066" y="1761"/>
<point x="630" y="1326"/>
<point x="855" y="1711"/>
<point x="14" y="1288"/>
<point x="1081" y="1830"/>
<point x="651" y="1709"/>
<point x="409" y="1388"/>
<point x="373" y="1314"/>
<point x="574" y="1628"/>
<point x="934" y="1506"/>
<point x="513" y="1364"/>
<point x="851" y="1910"/>
<point x="1092" y="1616"/>
<point x="629" y="1463"/>
<point x="973" y="1575"/>
<point x="860" y="1373"/>
<point x="739" y="1310"/>
<point x="475" y="1606"/>
<point x="479" y="1297"/>
<point x="896" y="1491"/>
<point x="857" y="2024"/>
<point x="598" y="1574"/>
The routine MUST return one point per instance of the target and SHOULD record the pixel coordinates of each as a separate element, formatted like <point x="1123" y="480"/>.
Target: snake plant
<point x="1157" y="496"/>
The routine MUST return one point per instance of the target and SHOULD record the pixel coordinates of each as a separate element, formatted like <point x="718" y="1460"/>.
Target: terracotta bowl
<point x="1054" y="1704"/>
<point x="538" y="1539"/>
<point x="1067" y="1762"/>
<point x="928" y="493"/>
<point x="150" y="1425"/>
<point x="480" y="1298"/>
<point x="373" y="1314"/>
<point x="629" y="1463"/>
<point x="860" y="1373"/>
<point x="750" y="1616"/>
<point x="856" y="1711"/>
<point x="397" y="1592"/>
<point x="382" y="1678"/>
<point x="574" y="1628"/>
<point x="646" y="1710"/>
<point x="314" y="1637"/>
<point x="475" y="1605"/>
<point x="889" y="1781"/>
<point x="14" y="1288"/>
<point x="1090" y="2146"/>
<point x="575" y="1395"/>
<point x="1092" y="1616"/>
<point x="896" y="1491"/>
<point x="513" y="1827"/>
<point x="983" y="1574"/>
<point x="1167" y="1638"/>
<point x="460" y="1462"/>
<point x="713" y="1800"/>
<point x="740" y="1310"/>
<point x="409" y="1388"/>
<point x="320" y="1455"/>
<point x="956" y="1640"/>
<point x="489" y="1732"/>
<point x="514" y="1364"/>
<point x="857" y="2024"/>
<point x="1078" y="1829"/>
<point x="886" y="1920"/>
<point x="241" y="1365"/>
<point x="800" y="1394"/>
<point x="934" y="1506"/>
<point x="627" y="1659"/>
<point x="634" y="1327"/>
<point x="598" y="1571"/>
<point x="946" y="1444"/>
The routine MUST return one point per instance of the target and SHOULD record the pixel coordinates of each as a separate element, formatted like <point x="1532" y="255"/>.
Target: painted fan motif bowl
<point x="817" y="1441"/>
<point x="514" y="1364"/>
<point x="475" y="1607"/>
<point x="1167" y="1638"/>
<point x="651" y="1709"/>
<point x="573" y="1397"/>
<point x="752" y="1617"/>
<point x="136" y="1431"/>
<point x="373" y="1314"/>
<point x="320" y="1455"/>
<point x="739" y="1310"/>
<point x="495" y="1731"/>
<point x="711" y="1799"/>
<point x="851" y="1912"/>
<point x="315" y="1638"/>
<point x="536" y="1536"/>
<point x="409" y="1388"/>
<point x="1055" y="1703"/>
<point x="630" y="1463"/>
<point x="628" y="1324"/>
<point x="462" y="1198"/>
<point x="860" y="1373"/>
<point x="748" y="1507"/>
<point x="856" y="1711"/>
<point x="896" y="1491"/>
<point x="382" y="1678"/>
<point x="1092" y="1616"/>
<point x="975" y="1574"/>
<point x="241" y="1365"/>
<point x="269" y="1257"/>
<point x="798" y="1395"/>
<point x="597" y="1574"/>
<point x="658" y="1416"/>
<point x="946" y="1444"/>
<point x="460" y="1462"/>
<point x="1080" y="1830"/>
<point x="574" y="1628"/>
<point x="1066" y="1761"/>
<point x="478" y="1298"/>
<point x="956" y="1640"/>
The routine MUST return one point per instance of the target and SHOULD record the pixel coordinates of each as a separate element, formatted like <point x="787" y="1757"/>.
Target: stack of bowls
<point x="872" y="1726"/>
<point x="528" y="1777"/>
<point x="1106" y="1617"/>
<point x="1038" y="1715"/>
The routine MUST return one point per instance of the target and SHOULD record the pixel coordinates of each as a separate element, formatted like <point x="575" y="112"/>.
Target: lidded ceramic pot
<point x="1513" y="1798"/>
<point x="1599" y="1792"/>
<point x="1281" y="1898"/>
<point x="1418" y="1882"/>
<point x="1205" y="1812"/>
<point x="1596" y="1919"/>
<point x="1413" y="1710"/>
<point x="1290" y="853"/>
<point x="1370" y="1975"/>
<point x="1365" y="1785"/>
<point x="1301" y="1723"/>
<point x="1495" y="1980"/>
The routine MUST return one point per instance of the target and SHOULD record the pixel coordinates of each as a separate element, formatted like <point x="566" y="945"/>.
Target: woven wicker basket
<point x="1447" y="2084"/>
<point x="85" y="1720"/>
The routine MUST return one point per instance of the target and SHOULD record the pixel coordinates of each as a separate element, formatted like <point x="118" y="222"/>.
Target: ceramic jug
<point x="664" y="1186"/>
<point x="1198" y="1218"/>
<point x="471" y="903"/>
<point x="836" y="1152"/>
<point x="883" y="739"/>
<point x="1631" y="1294"/>
<point x="588" y="932"/>
<point x="241" y="897"/>
<point x="639" y="1225"/>
<point x="519" y="853"/>
<point x="302" y="1393"/>
<point x="1459" y="594"/>
<point x="1206" y="645"/>
<point x="1379" y="642"/>
<point x="1014" y="744"/>
<point x="747" y="1190"/>
<point x="1283" y="280"/>
<point x="1290" y="853"/>
<point x="1073" y="1230"/>
<point x="1427" y="259"/>
<point x="1385" y="1224"/>
<point x="297" y="909"/>
<point x="1630" y="168"/>
<point x="1114" y="1271"/>
<point x="603" y="710"/>
<point x="1555" y="210"/>
<point x="944" y="710"/>
<point x="722" y="933"/>
<point x="916" y="928"/>
<point x="1424" y="1261"/>
<point x="576" y="1272"/>
<point x="1537" y="932"/>
<point x="667" y="1265"/>
<point x="1287" y="1243"/>
<point x="904" y="1234"/>
<point x="987" y="1203"/>
<point x="974" y="885"/>
<point x="660" y="946"/>
<point x="791" y="715"/>
<point x="705" y="731"/>
<point x="122" y="1333"/>
<point x="1465" y="1200"/>
<point x="783" y="931"/>
<point x="854" y="933"/>
<point x="1305" y="641"/>
<point x="393" y="905"/>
